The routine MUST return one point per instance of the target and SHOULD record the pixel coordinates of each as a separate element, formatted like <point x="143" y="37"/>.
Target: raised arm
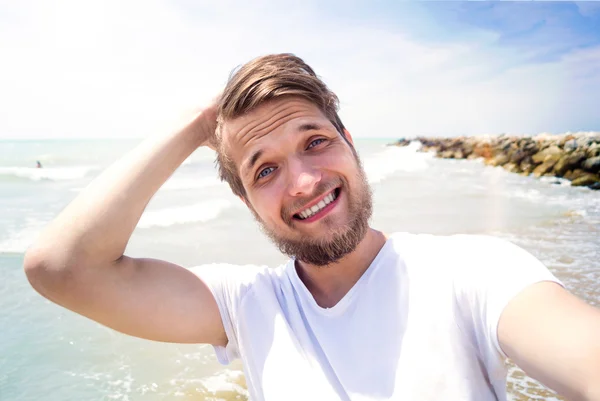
<point x="78" y="260"/>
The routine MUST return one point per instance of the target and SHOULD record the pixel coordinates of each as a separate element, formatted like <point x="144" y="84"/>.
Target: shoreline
<point x="571" y="156"/>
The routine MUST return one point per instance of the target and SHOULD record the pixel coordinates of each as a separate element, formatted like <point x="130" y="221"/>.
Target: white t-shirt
<point x="420" y="324"/>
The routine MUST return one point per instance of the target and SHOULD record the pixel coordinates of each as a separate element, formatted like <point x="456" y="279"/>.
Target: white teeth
<point x="314" y="209"/>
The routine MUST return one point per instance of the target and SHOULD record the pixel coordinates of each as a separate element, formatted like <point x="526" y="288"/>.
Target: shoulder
<point x="490" y="256"/>
<point x="464" y="255"/>
<point x="241" y="273"/>
<point x="452" y="241"/>
<point x="236" y="279"/>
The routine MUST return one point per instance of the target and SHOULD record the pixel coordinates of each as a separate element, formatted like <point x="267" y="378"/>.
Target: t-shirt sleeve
<point x="228" y="284"/>
<point x="491" y="272"/>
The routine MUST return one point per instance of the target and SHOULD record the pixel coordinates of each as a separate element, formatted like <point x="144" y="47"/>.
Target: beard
<point x="338" y="241"/>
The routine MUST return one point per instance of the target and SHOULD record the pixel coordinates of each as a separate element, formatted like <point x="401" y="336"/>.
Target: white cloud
<point x="111" y="68"/>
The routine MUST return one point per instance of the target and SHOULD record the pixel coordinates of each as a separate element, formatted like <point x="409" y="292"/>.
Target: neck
<point x="329" y="284"/>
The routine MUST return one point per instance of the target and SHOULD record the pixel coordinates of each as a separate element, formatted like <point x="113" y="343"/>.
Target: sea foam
<point x="392" y="159"/>
<point x="175" y="183"/>
<point x="200" y="212"/>
<point x="19" y="241"/>
<point x="46" y="173"/>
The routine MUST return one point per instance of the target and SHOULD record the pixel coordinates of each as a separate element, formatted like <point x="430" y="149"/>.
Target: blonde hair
<point x="260" y="80"/>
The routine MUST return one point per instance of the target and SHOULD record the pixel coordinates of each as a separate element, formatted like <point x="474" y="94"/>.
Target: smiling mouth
<point x="316" y="209"/>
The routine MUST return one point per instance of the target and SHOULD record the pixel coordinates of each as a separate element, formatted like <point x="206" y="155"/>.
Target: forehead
<point x="252" y="130"/>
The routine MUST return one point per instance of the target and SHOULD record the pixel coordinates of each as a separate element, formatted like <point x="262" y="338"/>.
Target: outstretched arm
<point x="555" y="338"/>
<point x="78" y="260"/>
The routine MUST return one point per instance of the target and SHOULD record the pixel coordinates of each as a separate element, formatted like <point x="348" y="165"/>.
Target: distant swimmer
<point x="39" y="165"/>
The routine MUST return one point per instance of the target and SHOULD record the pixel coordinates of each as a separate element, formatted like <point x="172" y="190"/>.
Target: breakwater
<point x="575" y="157"/>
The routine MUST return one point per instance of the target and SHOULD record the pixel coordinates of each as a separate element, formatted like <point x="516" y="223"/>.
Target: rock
<point x="575" y="174"/>
<point x="527" y="164"/>
<point x="530" y="147"/>
<point x="588" y="139"/>
<point x="526" y="168"/>
<point x="518" y="155"/>
<point x="568" y="162"/>
<point x="550" y="152"/>
<point x="467" y="149"/>
<point x="565" y="139"/>
<point x="586" y="180"/>
<point x="568" y="175"/>
<point x="511" y="167"/>
<point x="592" y="164"/>
<point x="483" y="150"/>
<point x="498" y="160"/>
<point x="402" y="142"/>
<point x="555" y="157"/>
<point x="544" y="168"/>
<point x="570" y="145"/>
<point x="575" y="156"/>
<point x="595" y="186"/>
<point x="593" y="150"/>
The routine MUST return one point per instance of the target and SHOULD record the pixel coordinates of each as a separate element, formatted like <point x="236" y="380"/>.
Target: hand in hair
<point x="204" y="124"/>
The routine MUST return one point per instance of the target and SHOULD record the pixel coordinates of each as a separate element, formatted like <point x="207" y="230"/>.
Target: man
<point x="355" y="314"/>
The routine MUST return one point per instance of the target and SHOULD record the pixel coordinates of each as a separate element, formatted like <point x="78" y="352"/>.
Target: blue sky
<point x="131" y="68"/>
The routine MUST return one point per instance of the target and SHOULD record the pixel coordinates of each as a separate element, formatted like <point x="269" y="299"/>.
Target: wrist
<point x="202" y="128"/>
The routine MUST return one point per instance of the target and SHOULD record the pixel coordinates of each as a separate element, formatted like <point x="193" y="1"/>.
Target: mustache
<point x="300" y="203"/>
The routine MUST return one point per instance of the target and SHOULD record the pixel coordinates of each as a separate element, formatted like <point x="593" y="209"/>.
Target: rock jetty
<point x="575" y="157"/>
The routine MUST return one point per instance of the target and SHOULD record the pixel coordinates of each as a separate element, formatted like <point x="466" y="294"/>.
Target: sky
<point x="112" y="68"/>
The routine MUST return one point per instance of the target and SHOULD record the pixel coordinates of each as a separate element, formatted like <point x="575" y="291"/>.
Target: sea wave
<point x="200" y="212"/>
<point x="18" y="241"/>
<point x="178" y="184"/>
<point x="47" y="173"/>
<point x="556" y="181"/>
<point x="385" y="163"/>
<point x="228" y="384"/>
<point x="175" y="183"/>
<point x="581" y="199"/>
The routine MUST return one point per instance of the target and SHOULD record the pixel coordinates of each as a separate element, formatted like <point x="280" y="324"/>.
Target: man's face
<point x="304" y="184"/>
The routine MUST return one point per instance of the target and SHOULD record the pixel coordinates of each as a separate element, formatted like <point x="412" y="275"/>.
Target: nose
<point x="303" y="177"/>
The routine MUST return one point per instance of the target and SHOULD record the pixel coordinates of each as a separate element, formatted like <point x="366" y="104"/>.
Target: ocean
<point x="49" y="353"/>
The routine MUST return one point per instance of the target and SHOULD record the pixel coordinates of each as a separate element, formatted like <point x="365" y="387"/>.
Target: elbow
<point x="33" y="265"/>
<point x="45" y="274"/>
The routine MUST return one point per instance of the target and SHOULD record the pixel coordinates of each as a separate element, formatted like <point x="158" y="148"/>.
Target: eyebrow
<point x="249" y="165"/>
<point x="309" y="127"/>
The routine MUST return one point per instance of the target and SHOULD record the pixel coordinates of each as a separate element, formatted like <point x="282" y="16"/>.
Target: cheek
<point x="340" y="155"/>
<point x="267" y="202"/>
<point x="341" y="162"/>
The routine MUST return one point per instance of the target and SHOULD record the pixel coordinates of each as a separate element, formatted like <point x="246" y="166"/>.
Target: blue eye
<point x="265" y="172"/>
<point x="315" y="142"/>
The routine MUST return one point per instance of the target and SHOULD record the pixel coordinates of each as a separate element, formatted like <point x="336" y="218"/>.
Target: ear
<point x="348" y="136"/>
